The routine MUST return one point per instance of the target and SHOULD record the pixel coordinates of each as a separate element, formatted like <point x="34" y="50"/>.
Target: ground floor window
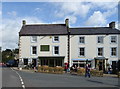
<point x="52" y="62"/>
<point x="80" y="63"/>
<point x="25" y="61"/>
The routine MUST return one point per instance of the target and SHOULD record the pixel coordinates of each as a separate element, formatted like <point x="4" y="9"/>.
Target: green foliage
<point x="54" y="70"/>
<point x="7" y="55"/>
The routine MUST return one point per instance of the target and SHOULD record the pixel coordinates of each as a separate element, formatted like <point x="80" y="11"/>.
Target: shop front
<point x="101" y="63"/>
<point x="82" y="62"/>
<point x="51" y="61"/>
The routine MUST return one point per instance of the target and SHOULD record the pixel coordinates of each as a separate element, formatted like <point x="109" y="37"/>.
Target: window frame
<point x="55" y="40"/>
<point x="111" y="40"/>
<point x="80" y="42"/>
<point x="32" y="50"/>
<point x="99" y="40"/>
<point x="102" y="52"/>
<point x="45" y="50"/>
<point x="111" y="52"/>
<point x="54" y="50"/>
<point x="79" y="52"/>
<point x="32" y="39"/>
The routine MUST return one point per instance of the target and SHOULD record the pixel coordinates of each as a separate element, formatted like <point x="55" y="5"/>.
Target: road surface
<point x="12" y="78"/>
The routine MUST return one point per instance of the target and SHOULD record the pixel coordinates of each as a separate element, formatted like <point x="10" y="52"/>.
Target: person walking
<point x="87" y="70"/>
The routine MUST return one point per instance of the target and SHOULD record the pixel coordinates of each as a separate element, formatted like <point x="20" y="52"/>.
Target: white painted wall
<point x="91" y="46"/>
<point x="25" y="46"/>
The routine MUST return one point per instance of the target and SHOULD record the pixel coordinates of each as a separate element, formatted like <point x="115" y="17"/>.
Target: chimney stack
<point x="24" y="22"/>
<point x="67" y="22"/>
<point x="112" y="25"/>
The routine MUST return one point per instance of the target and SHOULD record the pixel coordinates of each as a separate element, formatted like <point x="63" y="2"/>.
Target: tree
<point x="7" y="55"/>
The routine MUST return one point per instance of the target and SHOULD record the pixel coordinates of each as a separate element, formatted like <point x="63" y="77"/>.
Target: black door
<point x="100" y="66"/>
<point x="114" y="66"/>
<point x="34" y="61"/>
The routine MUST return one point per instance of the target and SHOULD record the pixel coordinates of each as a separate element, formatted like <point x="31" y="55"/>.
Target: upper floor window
<point x="33" y="38"/>
<point x="113" y="39"/>
<point x="56" y="50"/>
<point x="100" y="51"/>
<point x="100" y="39"/>
<point x="82" y="51"/>
<point x="114" y="51"/>
<point x="82" y="40"/>
<point x="56" y="39"/>
<point x="34" y="50"/>
<point x="44" y="48"/>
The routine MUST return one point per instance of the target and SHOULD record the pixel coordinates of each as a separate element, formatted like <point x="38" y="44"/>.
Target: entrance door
<point x="34" y="61"/>
<point x="100" y="65"/>
<point x="114" y="66"/>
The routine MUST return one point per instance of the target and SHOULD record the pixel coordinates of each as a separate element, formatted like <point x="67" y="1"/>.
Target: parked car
<point x="2" y="65"/>
<point x="11" y="63"/>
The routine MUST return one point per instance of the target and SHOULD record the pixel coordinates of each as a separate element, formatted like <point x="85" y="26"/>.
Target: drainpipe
<point x="68" y="45"/>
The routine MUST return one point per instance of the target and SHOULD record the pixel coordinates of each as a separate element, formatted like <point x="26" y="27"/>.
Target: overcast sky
<point x="80" y="14"/>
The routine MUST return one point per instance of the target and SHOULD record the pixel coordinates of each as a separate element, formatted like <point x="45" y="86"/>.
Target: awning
<point x="100" y="58"/>
<point x="82" y="59"/>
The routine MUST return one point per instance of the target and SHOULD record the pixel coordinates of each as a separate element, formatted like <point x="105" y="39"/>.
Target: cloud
<point x="104" y="5"/>
<point x="37" y="11"/>
<point x="11" y="28"/>
<point x="110" y="12"/>
<point x="72" y="8"/>
<point x="97" y="19"/>
<point x="13" y="13"/>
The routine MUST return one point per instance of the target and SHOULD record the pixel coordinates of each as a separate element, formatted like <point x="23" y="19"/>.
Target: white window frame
<point x="82" y="40"/>
<point x="55" y="40"/>
<point x="102" y="52"/>
<point x="115" y="40"/>
<point x="101" y="38"/>
<point x="54" y="50"/>
<point x="32" y="50"/>
<point x="111" y="52"/>
<point x="33" y="39"/>
<point x="79" y="52"/>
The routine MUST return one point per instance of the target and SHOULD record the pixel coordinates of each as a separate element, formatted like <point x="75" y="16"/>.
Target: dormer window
<point x="56" y="39"/>
<point x="33" y="38"/>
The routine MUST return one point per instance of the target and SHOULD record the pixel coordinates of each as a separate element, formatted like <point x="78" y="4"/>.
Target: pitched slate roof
<point x="43" y="29"/>
<point x="61" y="29"/>
<point x="93" y="31"/>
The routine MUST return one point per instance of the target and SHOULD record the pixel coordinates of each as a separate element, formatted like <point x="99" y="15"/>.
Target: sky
<point x="80" y="14"/>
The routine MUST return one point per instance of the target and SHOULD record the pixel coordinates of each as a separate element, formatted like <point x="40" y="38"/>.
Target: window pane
<point x="44" y="48"/>
<point x="56" y="38"/>
<point x="34" y="38"/>
<point x="82" y="51"/>
<point x="34" y="50"/>
<point x="113" y="39"/>
<point x="113" y="51"/>
<point x="56" y="50"/>
<point x="100" y="51"/>
<point x="100" y="39"/>
<point x="25" y="61"/>
<point x="81" y="39"/>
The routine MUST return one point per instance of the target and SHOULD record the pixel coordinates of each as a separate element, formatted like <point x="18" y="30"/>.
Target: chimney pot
<point x="24" y="22"/>
<point x="112" y="25"/>
<point x="67" y="22"/>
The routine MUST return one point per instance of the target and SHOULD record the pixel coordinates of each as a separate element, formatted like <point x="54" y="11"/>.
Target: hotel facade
<point x="58" y="44"/>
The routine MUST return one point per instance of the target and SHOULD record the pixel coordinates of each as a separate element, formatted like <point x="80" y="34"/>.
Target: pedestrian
<point x="87" y="70"/>
<point x="66" y="68"/>
<point x="75" y="68"/>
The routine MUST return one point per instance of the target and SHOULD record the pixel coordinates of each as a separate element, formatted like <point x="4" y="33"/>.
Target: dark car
<point x="11" y="63"/>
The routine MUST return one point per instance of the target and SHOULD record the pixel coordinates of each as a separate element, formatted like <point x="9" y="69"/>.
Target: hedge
<point x="46" y="69"/>
<point x="93" y="72"/>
